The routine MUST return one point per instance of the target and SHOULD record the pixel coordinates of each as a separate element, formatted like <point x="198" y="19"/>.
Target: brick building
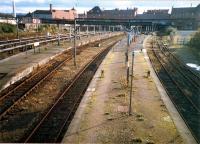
<point x="187" y="18"/>
<point x="96" y="12"/>
<point x="32" y="20"/>
<point x="51" y="14"/>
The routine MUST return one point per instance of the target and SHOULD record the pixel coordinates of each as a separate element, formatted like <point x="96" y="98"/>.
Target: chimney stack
<point x="50" y="7"/>
<point x="13" y="4"/>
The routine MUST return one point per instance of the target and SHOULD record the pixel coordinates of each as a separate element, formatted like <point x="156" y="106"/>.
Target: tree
<point x="195" y="40"/>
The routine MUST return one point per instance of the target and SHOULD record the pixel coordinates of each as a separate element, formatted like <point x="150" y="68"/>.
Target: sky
<point x="25" y="6"/>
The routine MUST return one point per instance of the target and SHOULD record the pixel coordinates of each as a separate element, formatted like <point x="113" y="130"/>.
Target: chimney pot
<point x="50" y="7"/>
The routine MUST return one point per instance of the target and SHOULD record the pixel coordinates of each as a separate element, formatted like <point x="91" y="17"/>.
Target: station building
<point x="186" y="18"/>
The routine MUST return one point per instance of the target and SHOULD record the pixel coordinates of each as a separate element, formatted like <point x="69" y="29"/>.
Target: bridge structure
<point x="131" y="26"/>
<point x="144" y="24"/>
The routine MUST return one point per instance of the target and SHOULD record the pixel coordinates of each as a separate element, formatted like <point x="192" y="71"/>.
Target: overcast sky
<point x="24" y="6"/>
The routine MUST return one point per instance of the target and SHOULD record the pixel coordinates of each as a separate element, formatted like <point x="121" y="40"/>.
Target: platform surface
<point x="102" y="116"/>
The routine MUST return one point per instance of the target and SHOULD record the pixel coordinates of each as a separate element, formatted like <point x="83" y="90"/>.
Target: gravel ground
<point x="28" y="111"/>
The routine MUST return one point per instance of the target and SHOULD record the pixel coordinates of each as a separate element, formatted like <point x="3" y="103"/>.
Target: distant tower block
<point x="13" y="4"/>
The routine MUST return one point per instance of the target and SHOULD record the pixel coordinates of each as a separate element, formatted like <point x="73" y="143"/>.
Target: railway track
<point x="52" y="126"/>
<point x="180" y="84"/>
<point x="182" y="75"/>
<point x="17" y="42"/>
<point x="14" y="40"/>
<point x="22" y="42"/>
<point x="193" y="77"/>
<point x="9" y="48"/>
<point x="9" y="98"/>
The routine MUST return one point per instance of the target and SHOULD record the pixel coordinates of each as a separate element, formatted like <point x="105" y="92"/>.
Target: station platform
<point x="18" y="66"/>
<point x="102" y="116"/>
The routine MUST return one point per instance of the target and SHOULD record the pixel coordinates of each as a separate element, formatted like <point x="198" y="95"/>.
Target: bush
<point x="167" y="31"/>
<point x="195" y="40"/>
<point x="7" y="28"/>
<point x="47" y="28"/>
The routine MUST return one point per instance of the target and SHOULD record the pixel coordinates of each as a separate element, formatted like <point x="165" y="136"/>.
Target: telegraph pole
<point x="15" y="17"/>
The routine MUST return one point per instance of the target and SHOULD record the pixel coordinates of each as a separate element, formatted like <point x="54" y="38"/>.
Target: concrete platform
<point x="15" y="67"/>
<point x="179" y="122"/>
<point x="102" y="116"/>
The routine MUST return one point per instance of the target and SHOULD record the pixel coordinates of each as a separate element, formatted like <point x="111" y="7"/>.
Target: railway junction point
<point x="102" y="116"/>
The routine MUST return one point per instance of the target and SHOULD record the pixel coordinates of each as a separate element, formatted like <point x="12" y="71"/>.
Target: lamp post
<point x="74" y="49"/>
<point x="126" y="54"/>
<point x="131" y="89"/>
<point x="17" y="21"/>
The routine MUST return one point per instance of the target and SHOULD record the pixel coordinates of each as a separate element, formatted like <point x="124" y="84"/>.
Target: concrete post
<point x="87" y="30"/>
<point x="58" y="39"/>
<point x="70" y="33"/>
<point x="79" y="32"/>
<point x="99" y="28"/>
<point x="94" y="29"/>
<point x="58" y="35"/>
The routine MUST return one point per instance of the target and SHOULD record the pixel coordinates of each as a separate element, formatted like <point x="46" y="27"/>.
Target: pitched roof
<point x="42" y="12"/>
<point x="73" y="9"/>
<point x="28" y="15"/>
<point x="5" y="15"/>
<point x="117" y="11"/>
<point x="182" y="10"/>
<point x="153" y="16"/>
<point x="95" y="10"/>
<point x="156" y="11"/>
